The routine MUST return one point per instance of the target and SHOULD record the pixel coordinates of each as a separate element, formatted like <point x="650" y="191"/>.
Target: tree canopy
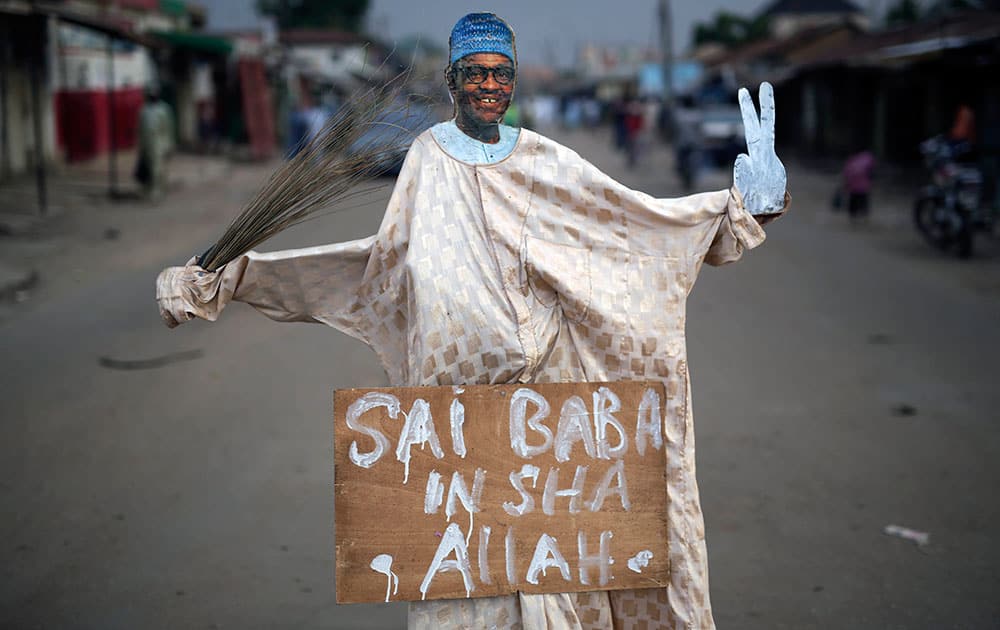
<point x="730" y="30"/>
<point x="903" y="12"/>
<point x="347" y="15"/>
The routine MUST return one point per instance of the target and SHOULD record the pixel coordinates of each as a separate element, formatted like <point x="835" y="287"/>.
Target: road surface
<point x="844" y="379"/>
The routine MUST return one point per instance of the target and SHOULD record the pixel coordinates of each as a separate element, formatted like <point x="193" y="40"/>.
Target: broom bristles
<point x="326" y="170"/>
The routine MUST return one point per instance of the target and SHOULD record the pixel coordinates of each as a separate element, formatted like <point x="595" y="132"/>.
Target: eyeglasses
<point x="478" y="74"/>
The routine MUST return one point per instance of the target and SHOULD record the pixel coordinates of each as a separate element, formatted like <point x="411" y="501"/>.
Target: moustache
<point x="497" y="94"/>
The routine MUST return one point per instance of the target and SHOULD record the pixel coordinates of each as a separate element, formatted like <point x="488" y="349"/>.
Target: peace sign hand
<point x="760" y="176"/>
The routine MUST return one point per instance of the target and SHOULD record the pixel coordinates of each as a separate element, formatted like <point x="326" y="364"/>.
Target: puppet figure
<point x="505" y="257"/>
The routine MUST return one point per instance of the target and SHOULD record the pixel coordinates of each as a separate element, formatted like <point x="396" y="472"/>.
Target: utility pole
<point x="667" y="51"/>
<point x="875" y="15"/>
<point x="37" y="74"/>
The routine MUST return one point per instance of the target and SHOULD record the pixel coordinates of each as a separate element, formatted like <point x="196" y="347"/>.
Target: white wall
<point x="332" y="62"/>
<point x="83" y="61"/>
<point x="17" y="119"/>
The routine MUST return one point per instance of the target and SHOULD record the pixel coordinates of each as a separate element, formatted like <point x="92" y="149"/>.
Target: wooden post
<point x="667" y="49"/>
<point x="4" y="113"/>
<point x="112" y="131"/>
<point x="36" y="104"/>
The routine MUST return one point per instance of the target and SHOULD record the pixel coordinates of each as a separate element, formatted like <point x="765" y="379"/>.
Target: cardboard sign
<point x="451" y="492"/>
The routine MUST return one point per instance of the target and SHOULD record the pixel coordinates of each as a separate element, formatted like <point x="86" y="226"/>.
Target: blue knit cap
<point x="481" y="33"/>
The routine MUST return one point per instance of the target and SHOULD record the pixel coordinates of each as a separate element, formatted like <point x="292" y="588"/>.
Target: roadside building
<point x="86" y="64"/>
<point x="320" y="68"/>
<point x="788" y="17"/>
<point x="27" y="131"/>
<point x="73" y="74"/>
<point x="60" y="98"/>
<point x="841" y="88"/>
<point x="336" y="58"/>
<point x="890" y="90"/>
<point x="613" y="72"/>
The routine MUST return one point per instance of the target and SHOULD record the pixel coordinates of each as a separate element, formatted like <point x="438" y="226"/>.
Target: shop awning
<point x="198" y="42"/>
<point x="173" y="7"/>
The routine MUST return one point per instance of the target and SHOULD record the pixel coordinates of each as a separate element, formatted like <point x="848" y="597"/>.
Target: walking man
<point x="156" y="143"/>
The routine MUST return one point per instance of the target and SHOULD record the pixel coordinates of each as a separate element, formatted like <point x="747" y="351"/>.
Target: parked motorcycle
<point x="947" y="213"/>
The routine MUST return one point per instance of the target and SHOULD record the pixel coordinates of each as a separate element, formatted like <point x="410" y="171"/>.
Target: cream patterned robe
<point x="537" y="268"/>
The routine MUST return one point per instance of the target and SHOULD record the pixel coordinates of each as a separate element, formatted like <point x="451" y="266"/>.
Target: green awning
<point x="175" y="8"/>
<point x="196" y="41"/>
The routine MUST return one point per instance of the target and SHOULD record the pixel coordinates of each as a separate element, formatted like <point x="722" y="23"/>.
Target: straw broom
<point x="327" y="170"/>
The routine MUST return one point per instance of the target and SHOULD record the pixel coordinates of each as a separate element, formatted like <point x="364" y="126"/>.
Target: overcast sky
<point x="554" y="28"/>
<point x="545" y="29"/>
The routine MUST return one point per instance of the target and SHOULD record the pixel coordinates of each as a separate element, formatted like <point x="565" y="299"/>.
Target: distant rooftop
<point x="319" y="36"/>
<point x="803" y="7"/>
<point x="955" y="31"/>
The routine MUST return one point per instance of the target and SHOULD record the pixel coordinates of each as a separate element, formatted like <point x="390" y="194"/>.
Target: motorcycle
<point x="947" y="212"/>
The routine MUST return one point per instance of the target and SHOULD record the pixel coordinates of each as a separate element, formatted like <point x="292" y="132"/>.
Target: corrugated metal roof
<point x="956" y="31"/>
<point x="781" y="7"/>
<point x="115" y="26"/>
<point x="782" y="47"/>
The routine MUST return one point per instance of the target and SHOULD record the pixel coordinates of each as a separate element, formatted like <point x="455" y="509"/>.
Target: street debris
<point x="16" y="284"/>
<point x="148" y="364"/>
<point x="112" y="234"/>
<point x="904" y="410"/>
<point x="879" y="339"/>
<point x="921" y="538"/>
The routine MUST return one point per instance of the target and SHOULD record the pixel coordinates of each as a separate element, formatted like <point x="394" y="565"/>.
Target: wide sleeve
<point x="713" y="227"/>
<point x="336" y="284"/>
<point x="314" y="284"/>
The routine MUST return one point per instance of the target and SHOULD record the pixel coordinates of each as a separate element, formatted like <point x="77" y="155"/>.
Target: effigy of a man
<point x="505" y="257"/>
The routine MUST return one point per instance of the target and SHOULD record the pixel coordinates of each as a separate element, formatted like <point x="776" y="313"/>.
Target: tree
<point x="346" y="15"/>
<point x="730" y="30"/>
<point x="904" y="12"/>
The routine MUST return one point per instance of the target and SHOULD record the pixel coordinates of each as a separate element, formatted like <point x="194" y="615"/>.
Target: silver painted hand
<point x="760" y="176"/>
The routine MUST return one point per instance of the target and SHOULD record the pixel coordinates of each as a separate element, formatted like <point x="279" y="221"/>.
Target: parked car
<point x="722" y="136"/>
<point x="707" y="130"/>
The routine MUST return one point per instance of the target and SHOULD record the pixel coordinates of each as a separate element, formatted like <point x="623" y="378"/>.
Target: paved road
<point x="844" y="379"/>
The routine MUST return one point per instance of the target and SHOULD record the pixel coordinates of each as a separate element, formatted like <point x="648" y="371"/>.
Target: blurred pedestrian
<point x="857" y="181"/>
<point x="687" y="158"/>
<point x="314" y="109"/>
<point x="591" y="112"/>
<point x="618" y="123"/>
<point x="962" y="135"/>
<point x="156" y="143"/>
<point x="633" y="131"/>
<point x="207" y="131"/>
<point x="572" y="113"/>
<point x="650" y="120"/>
<point x="963" y="129"/>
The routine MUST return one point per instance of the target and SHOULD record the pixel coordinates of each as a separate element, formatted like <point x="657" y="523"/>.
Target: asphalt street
<point x="844" y="377"/>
